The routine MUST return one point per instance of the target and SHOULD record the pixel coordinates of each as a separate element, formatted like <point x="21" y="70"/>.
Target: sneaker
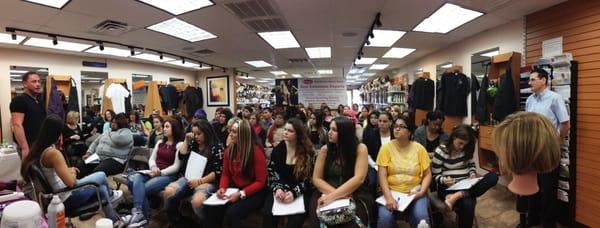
<point x="116" y="197"/>
<point x="137" y="219"/>
<point x="119" y="223"/>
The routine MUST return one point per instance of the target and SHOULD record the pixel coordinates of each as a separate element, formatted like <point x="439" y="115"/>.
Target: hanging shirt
<point x="423" y="93"/>
<point x="455" y="89"/>
<point x="117" y="94"/>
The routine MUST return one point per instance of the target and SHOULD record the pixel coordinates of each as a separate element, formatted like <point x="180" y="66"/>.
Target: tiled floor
<point x="496" y="208"/>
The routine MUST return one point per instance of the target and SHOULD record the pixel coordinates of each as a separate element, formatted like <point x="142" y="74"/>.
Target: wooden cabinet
<point x="488" y="159"/>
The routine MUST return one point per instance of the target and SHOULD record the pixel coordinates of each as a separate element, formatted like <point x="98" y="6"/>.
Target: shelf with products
<point x="248" y="94"/>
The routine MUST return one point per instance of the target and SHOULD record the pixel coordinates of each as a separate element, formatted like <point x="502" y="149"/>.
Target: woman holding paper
<point x="244" y="168"/>
<point x="202" y="141"/>
<point x="403" y="174"/>
<point x="340" y="172"/>
<point x="289" y="175"/>
<point x="453" y="162"/>
<point x="163" y="170"/>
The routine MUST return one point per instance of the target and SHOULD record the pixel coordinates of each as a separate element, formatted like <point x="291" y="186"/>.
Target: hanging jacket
<point x="505" y="103"/>
<point x="455" y="89"/>
<point x="191" y="100"/>
<point x="73" y="98"/>
<point x="423" y="93"/>
<point x="482" y="101"/>
<point x="474" y="88"/>
<point x="55" y="104"/>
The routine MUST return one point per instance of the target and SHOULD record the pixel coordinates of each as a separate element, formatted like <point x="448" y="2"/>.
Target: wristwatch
<point x="242" y="194"/>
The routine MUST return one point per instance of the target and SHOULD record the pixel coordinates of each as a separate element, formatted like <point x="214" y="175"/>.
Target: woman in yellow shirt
<point x="403" y="167"/>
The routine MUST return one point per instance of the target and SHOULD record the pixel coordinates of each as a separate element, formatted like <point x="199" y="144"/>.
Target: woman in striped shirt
<point x="453" y="162"/>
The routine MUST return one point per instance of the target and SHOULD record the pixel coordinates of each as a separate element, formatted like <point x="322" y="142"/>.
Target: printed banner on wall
<point x="322" y="90"/>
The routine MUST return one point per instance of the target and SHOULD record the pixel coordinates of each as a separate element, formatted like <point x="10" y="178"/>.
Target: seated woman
<point x="289" y="174"/>
<point x="431" y="134"/>
<point x="256" y="124"/>
<point x="275" y="132"/>
<point x="137" y="129"/>
<point x="164" y="166"/>
<point x="318" y="134"/>
<point x="108" y="119"/>
<point x="59" y="176"/>
<point x="112" y="148"/>
<point x="73" y="137"/>
<point x="380" y="136"/>
<point x="156" y="134"/>
<point x="453" y="162"/>
<point x="202" y="140"/>
<point x="403" y="167"/>
<point x="340" y="172"/>
<point x="244" y="168"/>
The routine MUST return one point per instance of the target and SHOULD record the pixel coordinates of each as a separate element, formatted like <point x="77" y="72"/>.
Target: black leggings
<point x="108" y="166"/>
<point x="234" y="213"/>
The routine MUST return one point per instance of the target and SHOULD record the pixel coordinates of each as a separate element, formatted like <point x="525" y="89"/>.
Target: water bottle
<point x="423" y="224"/>
<point x="56" y="213"/>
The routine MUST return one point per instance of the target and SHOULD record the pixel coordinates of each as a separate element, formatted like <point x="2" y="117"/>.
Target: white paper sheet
<point x="295" y="207"/>
<point x="195" y="166"/>
<point x="214" y="200"/>
<point x="403" y="199"/>
<point x="94" y="158"/>
<point x="336" y="204"/>
<point x="465" y="184"/>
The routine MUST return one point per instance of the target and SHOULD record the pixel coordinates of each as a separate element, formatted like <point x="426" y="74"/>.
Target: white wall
<point x="61" y="64"/>
<point x="201" y="76"/>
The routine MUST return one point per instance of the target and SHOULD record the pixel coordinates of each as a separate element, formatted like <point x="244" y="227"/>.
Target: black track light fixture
<point x="54" y="40"/>
<point x="160" y="55"/>
<point x="212" y="68"/>
<point x="183" y="60"/>
<point x="13" y="33"/>
<point x="359" y="57"/>
<point x="100" y="45"/>
<point x="224" y="69"/>
<point x="131" y="51"/>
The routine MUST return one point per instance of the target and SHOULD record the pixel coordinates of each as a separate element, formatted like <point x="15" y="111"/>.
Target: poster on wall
<point x="218" y="91"/>
<point x="323" y="90"/>
<point x="286" y="91"/>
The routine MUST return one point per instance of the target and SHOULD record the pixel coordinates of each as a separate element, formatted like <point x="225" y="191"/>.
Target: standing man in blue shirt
<point x="551" y="105"/>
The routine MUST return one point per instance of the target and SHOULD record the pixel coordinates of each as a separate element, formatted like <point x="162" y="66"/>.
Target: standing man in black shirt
<point x="27" y="112"/>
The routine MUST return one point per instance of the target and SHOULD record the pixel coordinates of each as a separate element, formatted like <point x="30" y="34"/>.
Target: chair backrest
<point x="138" y="158"/>
<point x="41" y="186"/>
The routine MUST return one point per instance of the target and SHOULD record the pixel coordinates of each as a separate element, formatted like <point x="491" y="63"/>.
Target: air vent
<point x="204" y="52"/>
<point x="110" y="27"/>
<point x="297" y="60"/>
<point x="258" y="15"/>
<point x="188" y="48"/>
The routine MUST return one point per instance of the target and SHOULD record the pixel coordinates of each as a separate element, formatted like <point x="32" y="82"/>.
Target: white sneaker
<point x="117" y="195"/>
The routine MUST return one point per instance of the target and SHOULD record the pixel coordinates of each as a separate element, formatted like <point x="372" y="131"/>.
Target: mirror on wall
<point x="139" y="91"/>
<point x="441" y="68"/>
<point x="479" y="60"/>
<point x="16" y="72"/>
<point x="91" y="81"/>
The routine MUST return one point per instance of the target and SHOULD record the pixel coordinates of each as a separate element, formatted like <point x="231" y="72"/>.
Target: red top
<point x="232" y="171"/>
<point x="165" y="155"/>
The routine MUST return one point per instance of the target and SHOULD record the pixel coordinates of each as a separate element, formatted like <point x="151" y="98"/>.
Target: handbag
<point x="339" y="215"/>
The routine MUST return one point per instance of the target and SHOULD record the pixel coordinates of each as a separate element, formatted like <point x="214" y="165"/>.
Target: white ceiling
<point x="313" y="22"/>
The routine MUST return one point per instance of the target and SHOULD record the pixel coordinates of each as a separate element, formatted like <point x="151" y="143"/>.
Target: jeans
<point x="234" y="213"/>
<point x="544" y="203"/>
<point x="83" y="195"/>
<point x="141" y="185"/>
<point x="417" y="211"/>
<point x="465" y="207"/>
<point x="182" y="191"/>
<point x="108" y="166"/>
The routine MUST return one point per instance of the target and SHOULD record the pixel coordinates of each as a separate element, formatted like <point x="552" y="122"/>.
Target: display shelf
<point x="488" y="159"/>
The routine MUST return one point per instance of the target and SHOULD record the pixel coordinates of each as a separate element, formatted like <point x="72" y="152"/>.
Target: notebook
<point x="292" y="208"/>
<point x="464" y="184"/>
<point x="195" y="166"/>
<point x="403" y="199"/>
<point x="214" y="200"/>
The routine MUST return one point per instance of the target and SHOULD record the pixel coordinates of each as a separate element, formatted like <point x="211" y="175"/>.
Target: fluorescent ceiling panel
<point x="296" y="75"/>
<point x="357" y="70"/>
<point x="378" y="66"/>
<point x="385" y="38"/>
<point x="278" y="73"/>
<point x="365" y="61"/>
<point x="7" y="38"/>
<point x="186" y="64"/>
<point x="368" y="74"/>
<point x="318" y="52"/>
<point x="325" y="71"/>
<point x="153" y="57"/>
<point x="52" y="3"/>
<point x="280" y="40"/>
<point x="62" y="45"/>
<point x="110" y="51"/>
<point x="182" y="30"/>
<point x="398" y="53"/>
<point x="446" y="66"/>
<point x="177" y="7"/>
<point x="447" y="18"/>
<point x="258" y="63"/>
<point x="491" y="53"/>
<point x="246" y="77"/>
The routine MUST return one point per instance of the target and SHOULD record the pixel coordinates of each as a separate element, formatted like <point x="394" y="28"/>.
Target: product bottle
<point x="423" y="224"/>
<point x="56" y="213"/>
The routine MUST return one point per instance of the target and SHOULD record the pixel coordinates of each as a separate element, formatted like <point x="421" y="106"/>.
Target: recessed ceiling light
<point x="368" y="74"/>
<point x="327" y="71"/>
<point x="446" y="66"/>
<point x="296" y="75"/>
<point x="182" y="30"/>
<point x="177" y="7"/>
<point x="109" y="51"/>
<point x="7" y="38"/>
<point x="59" y="4"/>
<point x="187" y="64"/>
<point x="365" y="61"/>
<point x="61" y="45"/>
<point x="385" y="38"/>
<point x="280" y="40"/>
<point x="398" y="53"/>
<point x="378" y="66"/>
<point x="153" y="57"/>
<point x="447" y="18"/>
<point x="357" y="70"/>
<point x="258" y="63"/>
<point x="318" y="52"/>
<point x="278" y="73"/>
<point x="491" y="53"/>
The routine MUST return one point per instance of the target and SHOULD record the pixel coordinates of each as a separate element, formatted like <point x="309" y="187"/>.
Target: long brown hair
<point x="464" y="132"/>
<point x="303" y="148"/>
<point x="243" y="147"/>
<point x="49" y="133"/>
